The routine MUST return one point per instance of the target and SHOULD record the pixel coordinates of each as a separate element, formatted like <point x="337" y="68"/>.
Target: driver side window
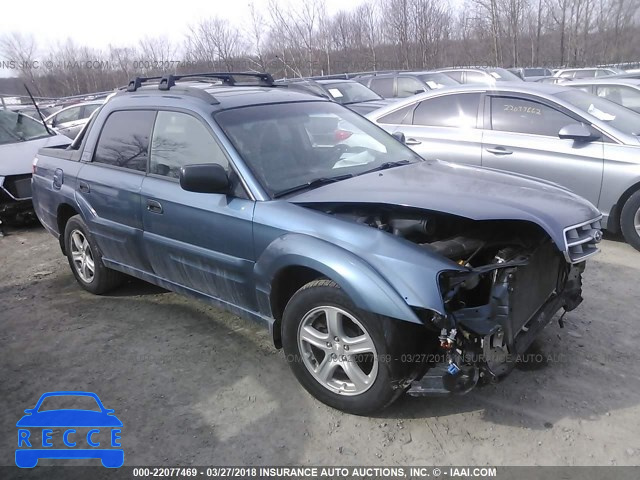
<point x="179" y="139"/>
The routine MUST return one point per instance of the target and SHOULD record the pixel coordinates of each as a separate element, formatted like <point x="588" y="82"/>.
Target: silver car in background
<point x="623" y="91"/>
<point x="564" y="135"/>
<point x="70" y="120"/>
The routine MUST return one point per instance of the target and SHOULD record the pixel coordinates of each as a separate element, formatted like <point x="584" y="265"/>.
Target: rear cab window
<point x="124" y="139"/>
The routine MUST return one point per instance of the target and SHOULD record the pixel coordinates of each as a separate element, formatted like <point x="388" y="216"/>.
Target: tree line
<point x="300" y="38"/>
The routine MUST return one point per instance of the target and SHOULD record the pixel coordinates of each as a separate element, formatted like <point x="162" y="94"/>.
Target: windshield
<point x="502" y="75"/>
<point x="16" y="127"/>
<point x="437" y="80"/>
<point x="292" y="144"/>
<point x="350" y="92"/>
<point x="620" y="118"/>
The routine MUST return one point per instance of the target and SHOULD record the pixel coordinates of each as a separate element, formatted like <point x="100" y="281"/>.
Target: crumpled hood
<point x="17" y="158"/>
<point x="471" y="192"/>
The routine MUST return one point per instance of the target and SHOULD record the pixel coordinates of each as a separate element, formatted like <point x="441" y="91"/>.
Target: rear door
<point x="202" y="241"/>
<point x="442" y="127"/>
<point x="108" y="187"/>
<point x="522" y="137"/>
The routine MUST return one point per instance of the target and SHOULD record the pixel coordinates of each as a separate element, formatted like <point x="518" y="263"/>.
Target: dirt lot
<point x="196" y="386"/>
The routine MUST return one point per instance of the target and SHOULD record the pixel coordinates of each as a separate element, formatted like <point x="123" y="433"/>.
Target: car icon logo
<point x="84" y="433"/>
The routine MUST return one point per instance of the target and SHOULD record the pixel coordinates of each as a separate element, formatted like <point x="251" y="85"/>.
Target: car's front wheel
<point x="347" y="358"/>
<point x="630" y="220"/>
<point x="85" y="259"/>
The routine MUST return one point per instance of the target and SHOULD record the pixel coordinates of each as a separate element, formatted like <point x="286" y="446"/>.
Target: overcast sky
<point x="122" y="22"/>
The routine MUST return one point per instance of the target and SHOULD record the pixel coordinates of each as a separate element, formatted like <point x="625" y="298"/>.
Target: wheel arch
<point x="613" y="223"/>
<point x="293" y="260"/>
<point x="64" y="213"/>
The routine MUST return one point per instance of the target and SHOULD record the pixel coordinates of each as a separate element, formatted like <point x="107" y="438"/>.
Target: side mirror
<point x="204" y="178"/>
<point x="399" y="136"/>
<point x="578" y="132"/>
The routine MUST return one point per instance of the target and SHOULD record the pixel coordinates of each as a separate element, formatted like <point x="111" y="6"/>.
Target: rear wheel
<point x="85" y="259"/>
<point x="347" y="358"/>
<point x="630" y="220"/>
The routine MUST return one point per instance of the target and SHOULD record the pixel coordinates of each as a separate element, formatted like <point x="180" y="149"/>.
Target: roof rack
<point x="228" y="78"/>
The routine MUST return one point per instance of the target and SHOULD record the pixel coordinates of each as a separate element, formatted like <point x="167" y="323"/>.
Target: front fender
<point x="364" y="285"/>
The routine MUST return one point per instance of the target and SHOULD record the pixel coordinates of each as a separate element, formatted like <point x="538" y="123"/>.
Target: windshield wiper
<point x="316" y="182"/>
<point x="386" y="165"/>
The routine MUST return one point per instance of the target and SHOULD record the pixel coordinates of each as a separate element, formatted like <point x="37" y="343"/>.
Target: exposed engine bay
<point x="514" y="282"/>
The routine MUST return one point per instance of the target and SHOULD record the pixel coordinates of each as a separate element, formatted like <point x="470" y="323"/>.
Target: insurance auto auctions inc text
<point x="376" y="472"/>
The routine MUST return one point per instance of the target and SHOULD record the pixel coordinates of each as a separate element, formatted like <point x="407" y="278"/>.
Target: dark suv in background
<point x="353" y="95"/>
<point x="405" y="84"/>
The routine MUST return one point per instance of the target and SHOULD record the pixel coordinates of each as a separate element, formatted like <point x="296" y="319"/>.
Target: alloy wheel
<point x="337" y="350"/>
<point x="82" y="256"/>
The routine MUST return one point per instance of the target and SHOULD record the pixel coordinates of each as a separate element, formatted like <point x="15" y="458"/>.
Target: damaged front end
<point x="513" y="279"/>
<point x="495" y="310"/>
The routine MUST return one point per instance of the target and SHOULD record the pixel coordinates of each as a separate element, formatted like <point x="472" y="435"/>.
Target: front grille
<point x="18" y="186"/>
<point x="581" y="241"/>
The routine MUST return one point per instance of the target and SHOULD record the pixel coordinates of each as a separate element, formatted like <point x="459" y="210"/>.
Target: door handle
<point x="499" y="151"/>
<point x="412" y="141"/>
<point x="154" y="206"/>
<point x="84" y="187"/>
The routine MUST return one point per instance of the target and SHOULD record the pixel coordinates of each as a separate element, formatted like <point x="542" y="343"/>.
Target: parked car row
<point x="378" y="271"/>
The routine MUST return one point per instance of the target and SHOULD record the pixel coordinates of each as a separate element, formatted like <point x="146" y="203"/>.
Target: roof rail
<point x="228" y="78"/>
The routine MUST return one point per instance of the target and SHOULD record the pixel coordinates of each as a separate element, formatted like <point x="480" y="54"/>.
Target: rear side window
<point x="459" y="110"/>
<point x="399" y="117"/>
<point x="382" y="86"/>
<point x="179" y="140"/>
<point x="408" y="86"/>
<point x="525" y="116"/>
<point x="124" y="140"/>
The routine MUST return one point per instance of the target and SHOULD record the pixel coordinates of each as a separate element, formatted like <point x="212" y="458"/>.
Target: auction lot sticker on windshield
<point x="86" y="431"/>
<point x="335" y="93"/>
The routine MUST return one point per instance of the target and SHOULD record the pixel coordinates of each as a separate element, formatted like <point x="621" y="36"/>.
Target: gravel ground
<point x="194" y="385"/>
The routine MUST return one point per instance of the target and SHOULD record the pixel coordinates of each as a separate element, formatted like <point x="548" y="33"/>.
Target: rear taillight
<point x="342" y="135"/>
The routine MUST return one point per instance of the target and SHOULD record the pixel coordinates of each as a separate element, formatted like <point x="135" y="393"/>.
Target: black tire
<point x="104" y="279"/>
<point x="393" y="339"/>
<point x="628" y="215"/>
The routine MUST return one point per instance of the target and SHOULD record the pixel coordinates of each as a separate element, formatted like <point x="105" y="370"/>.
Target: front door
<point x="202" y="241"/>
<point x="522" y="137"/>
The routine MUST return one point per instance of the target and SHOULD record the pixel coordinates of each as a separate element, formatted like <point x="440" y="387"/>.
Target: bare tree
<point x="22" y="50"/>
